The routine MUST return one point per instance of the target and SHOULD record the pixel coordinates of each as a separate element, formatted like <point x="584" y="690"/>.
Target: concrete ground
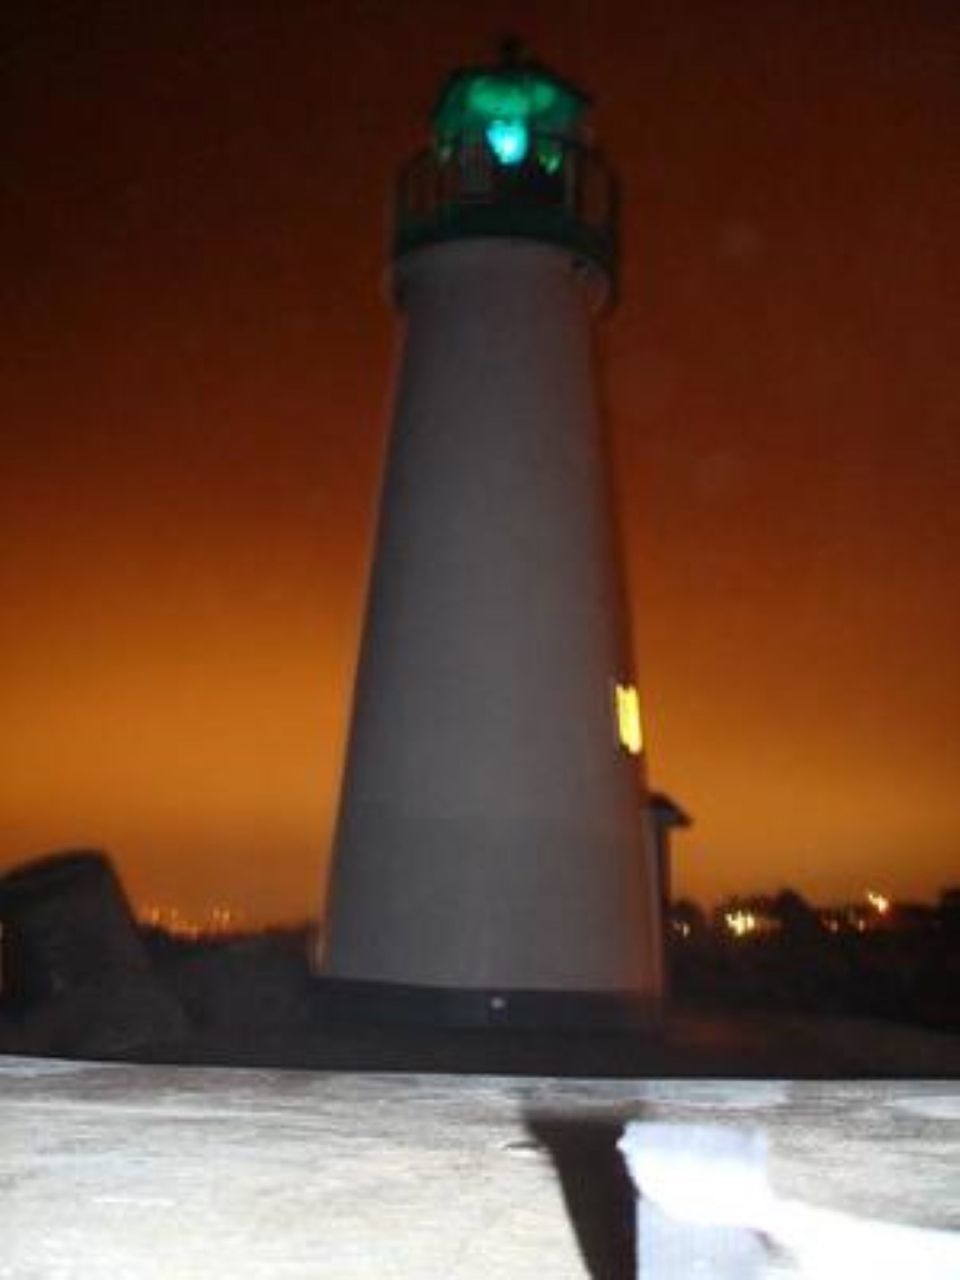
<point x="180" y="1173"/>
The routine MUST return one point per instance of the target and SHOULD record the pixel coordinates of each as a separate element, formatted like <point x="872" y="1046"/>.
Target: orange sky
<point x="196" y="364"/>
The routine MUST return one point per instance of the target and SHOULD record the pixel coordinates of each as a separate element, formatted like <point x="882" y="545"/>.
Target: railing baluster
<point x="574" y="203"/>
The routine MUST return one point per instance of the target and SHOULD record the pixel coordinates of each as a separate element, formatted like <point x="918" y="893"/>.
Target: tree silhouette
<point x="798" y="919"/>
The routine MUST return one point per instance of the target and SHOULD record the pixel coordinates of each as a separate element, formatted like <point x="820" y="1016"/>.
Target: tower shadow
<point x="597" y="1193"/>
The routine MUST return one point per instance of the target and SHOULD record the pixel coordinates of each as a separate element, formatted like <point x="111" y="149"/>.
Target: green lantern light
<point x="510" y="107"/>
<point x="550" y="155"/>
<point x="509" y="140"/>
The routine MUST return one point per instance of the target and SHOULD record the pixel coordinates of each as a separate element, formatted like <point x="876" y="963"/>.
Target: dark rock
<point x="77" y="978"/>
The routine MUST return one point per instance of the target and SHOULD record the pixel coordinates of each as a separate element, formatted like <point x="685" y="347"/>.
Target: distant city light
<point x="879" y="901"/>
<point x="740" y="923"/>
<point x="219" y="920"/>
<point x="629" y="725"/>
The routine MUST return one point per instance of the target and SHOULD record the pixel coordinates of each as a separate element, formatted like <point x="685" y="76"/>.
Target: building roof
<point x="668" y="811"/>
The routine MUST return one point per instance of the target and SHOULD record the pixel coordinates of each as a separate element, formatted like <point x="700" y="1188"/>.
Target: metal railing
<point x="560" y="191"/>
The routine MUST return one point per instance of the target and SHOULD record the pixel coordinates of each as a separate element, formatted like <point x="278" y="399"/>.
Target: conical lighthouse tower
<point x="492" y="860"/>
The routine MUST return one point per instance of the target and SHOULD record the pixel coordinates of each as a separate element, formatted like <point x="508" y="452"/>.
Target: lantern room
<point x="509" y="157"/>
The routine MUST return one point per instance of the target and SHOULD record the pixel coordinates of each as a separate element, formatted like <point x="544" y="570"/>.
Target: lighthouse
<point x="493" y="860"/>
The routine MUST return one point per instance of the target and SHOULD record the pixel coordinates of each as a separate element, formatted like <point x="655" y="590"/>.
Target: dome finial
<point x="512" y="50"/>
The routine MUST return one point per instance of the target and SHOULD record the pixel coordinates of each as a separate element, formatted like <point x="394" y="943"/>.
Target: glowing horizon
<point x="199" y="357"/>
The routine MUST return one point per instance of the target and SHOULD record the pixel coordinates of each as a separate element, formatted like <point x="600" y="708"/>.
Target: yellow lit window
<point x="629" y="726"/>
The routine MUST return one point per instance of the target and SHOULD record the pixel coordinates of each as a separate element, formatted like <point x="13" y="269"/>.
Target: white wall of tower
<point x="492" y="832"/>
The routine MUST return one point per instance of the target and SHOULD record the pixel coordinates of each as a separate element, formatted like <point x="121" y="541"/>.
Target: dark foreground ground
<point x="455" y="1154"/>
<point x="689" y="1045"/>
<point x="252" y="1002"/>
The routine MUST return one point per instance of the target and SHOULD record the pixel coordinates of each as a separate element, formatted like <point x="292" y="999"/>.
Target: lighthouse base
<point x="399" y="1004"/>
